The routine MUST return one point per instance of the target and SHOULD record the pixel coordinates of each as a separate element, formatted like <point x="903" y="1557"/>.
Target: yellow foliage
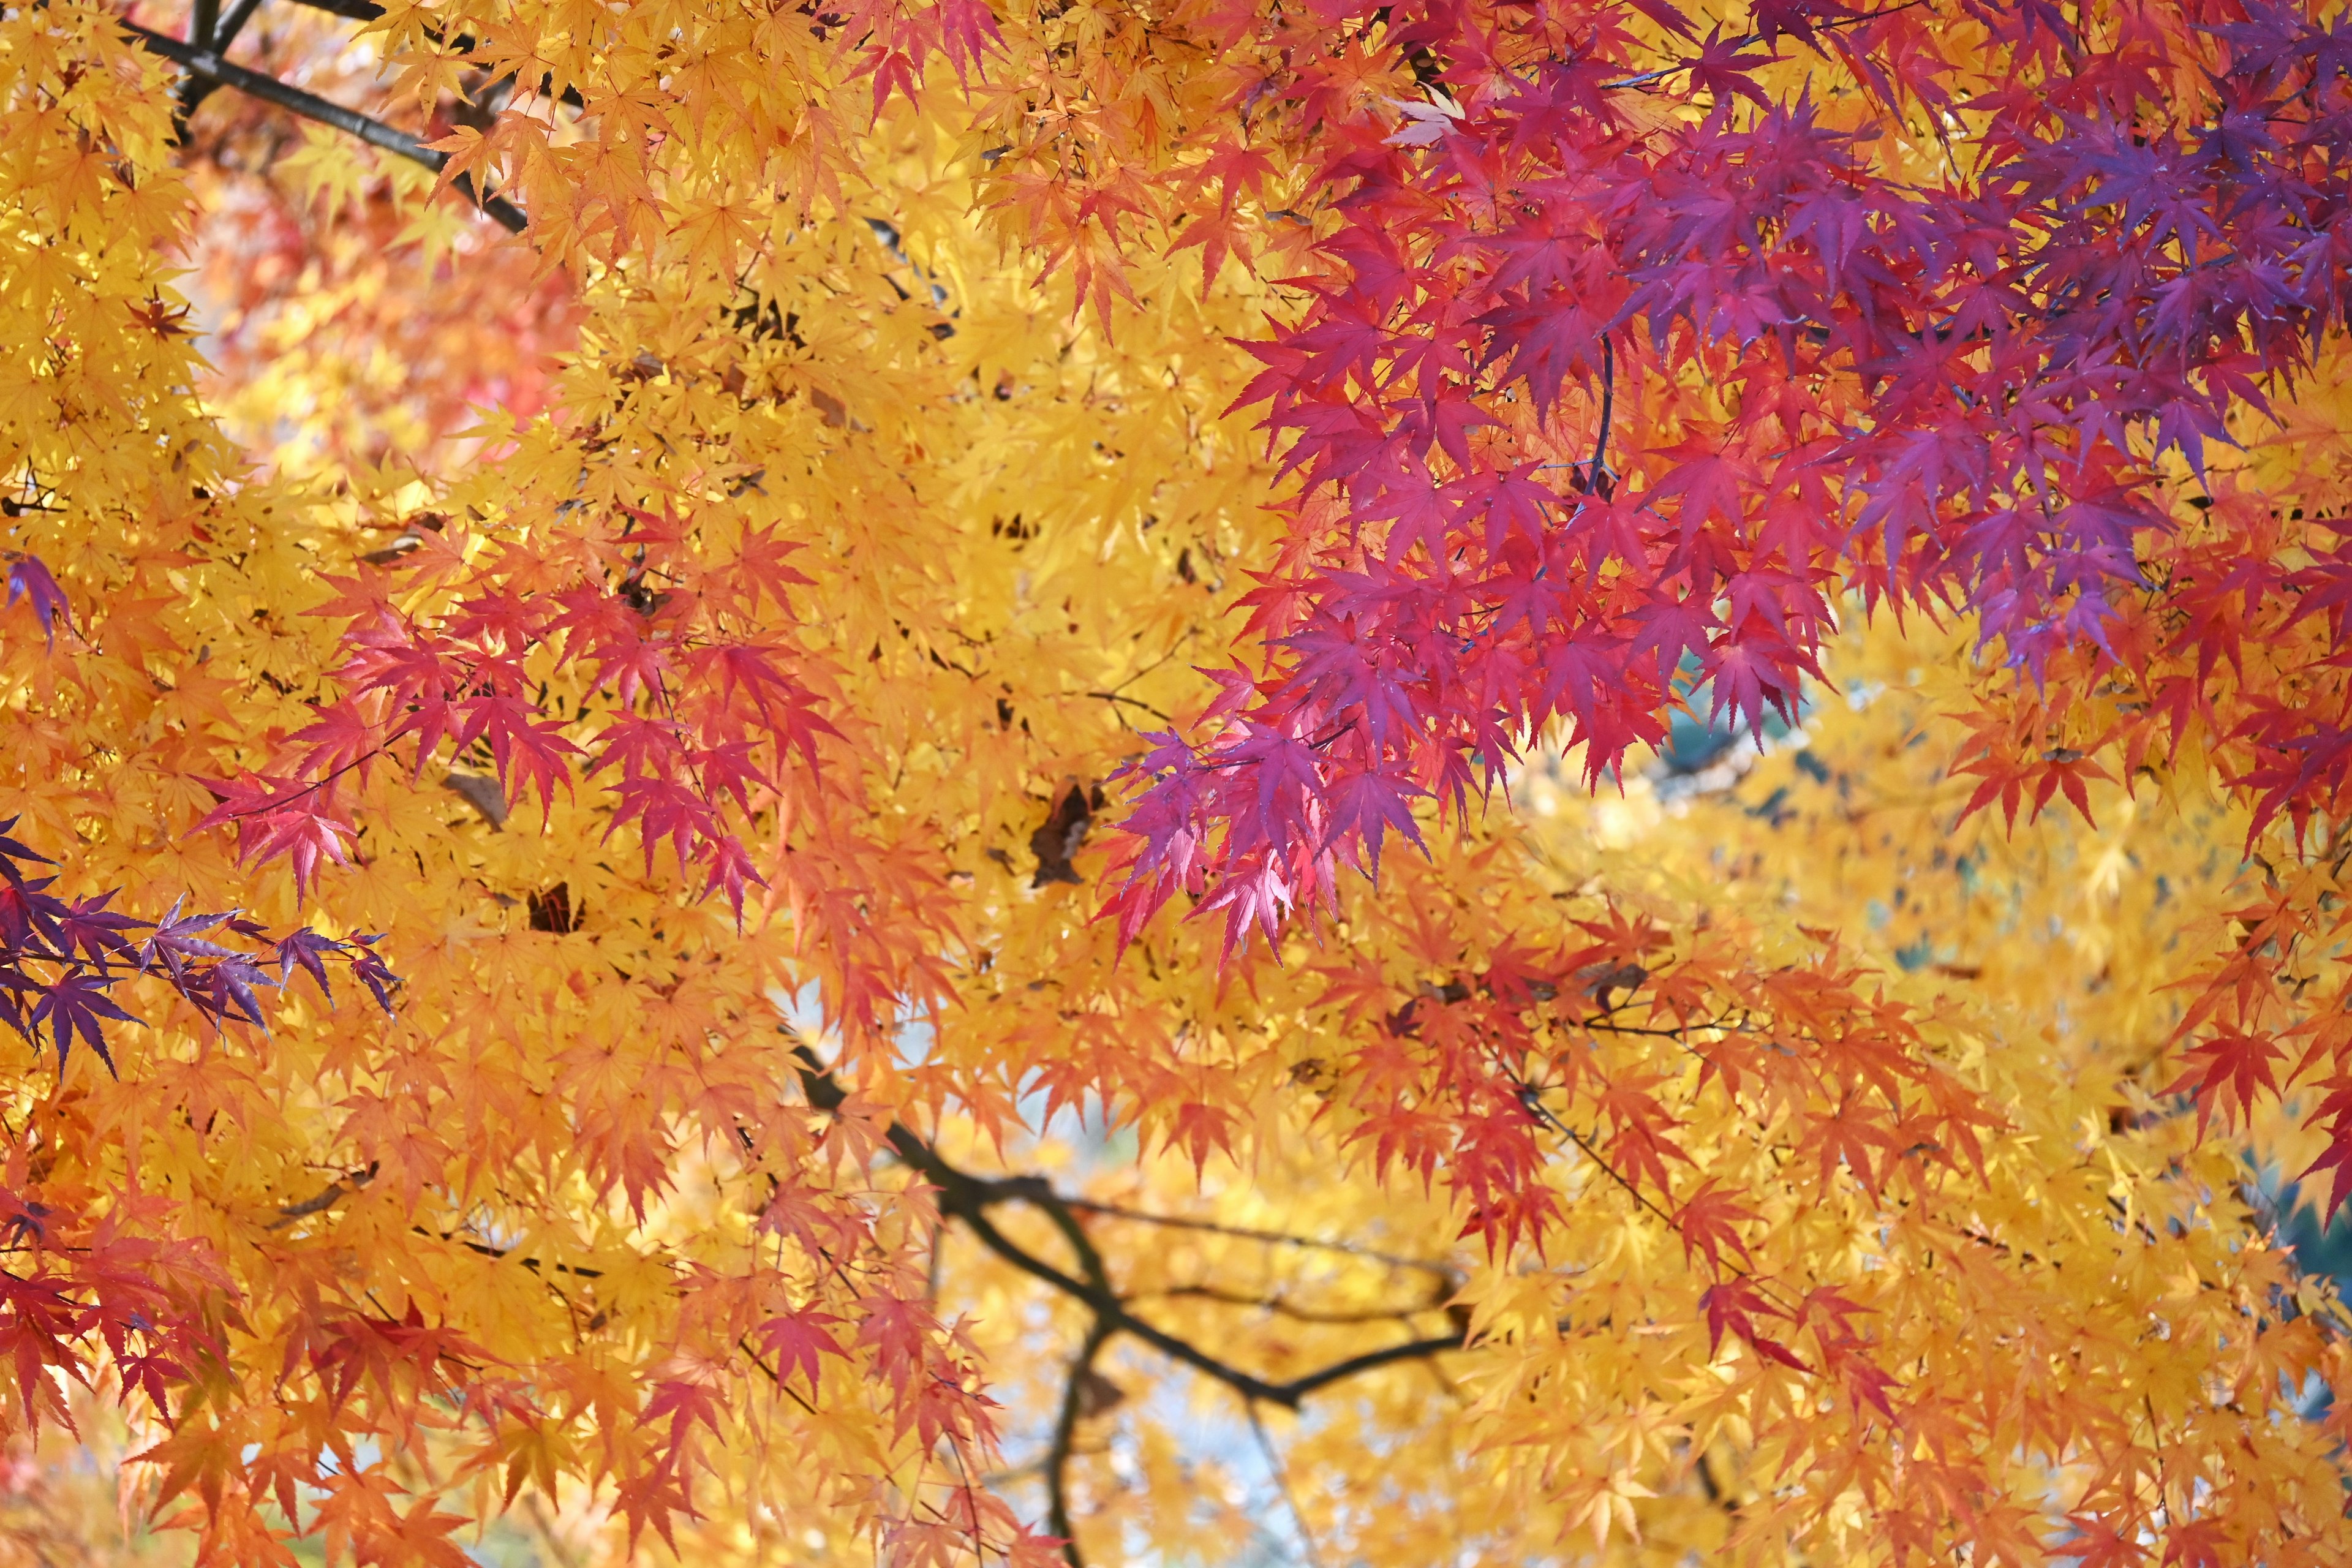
<point x="900" y="1210"/>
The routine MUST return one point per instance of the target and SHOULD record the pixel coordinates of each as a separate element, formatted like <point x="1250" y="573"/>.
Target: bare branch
<point x="368" y="11"/>
<point x="335" y="1192"/>
<point x="1281" y="1475"/>
<point x="969" y="1198"/>
<point x="1299" y="1388"/>
<point x="1282" y="1307"/>
<point x="1065" y="1431"/>
<point x="208" y="65"/>
<point x="357" y="10"/>
<point x="484" y="1249"/>
<point x="1596" y="479"/>
<point x="1245" y="1233"/>
<point x="195" y="88"/>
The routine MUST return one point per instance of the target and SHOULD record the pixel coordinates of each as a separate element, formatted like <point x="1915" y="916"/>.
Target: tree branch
<point x="208" y="63"/>
<point x="1597" y="479"/>
<point x="1065" y="1432"/>
<point x="969" y="1198"/>
<point x="196" y="89"/>
<point x="356" y="10"/>
<point x="335" y="1192"/>
<point x="368" y="11"/>
<point x="1246" y="1233"/>
<point x="234" y="24"/>
<point x="1282" y="1307"/>
<point x="1281" y="1476"/>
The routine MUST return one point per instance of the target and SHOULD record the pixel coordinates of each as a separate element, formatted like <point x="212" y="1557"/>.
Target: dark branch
<point x="484" y="1249"/>
<point x="1065" y="1432"/>
<point x="368" y="11"/>
<point x="335" y="1192"/>
<point x="196" y="89"/>
<point x="1282" y="1307"/>
<point x="1598" y="481"/>
<point x="356" y="10"/>
<point x="1299" y="1388"/>
<point x="969" y="1198"/>
<point x="1245" y="1233"/>
<point x="1281" y="1474"/>
<point x="234" y="24"/>
<point x="208" y="63"/>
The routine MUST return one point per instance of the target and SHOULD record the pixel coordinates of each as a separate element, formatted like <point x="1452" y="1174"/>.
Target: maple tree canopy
<point x="1469" y="781"/>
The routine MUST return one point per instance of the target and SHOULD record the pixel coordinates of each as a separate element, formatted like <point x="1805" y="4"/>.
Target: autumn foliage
<point x="1471" y="781"/>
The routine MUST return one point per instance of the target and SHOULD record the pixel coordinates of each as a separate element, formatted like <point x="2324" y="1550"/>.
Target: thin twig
<point x="1282" y="1484"/>
<point x="1532" y="1099"/>
<point x="1132" y="702"/>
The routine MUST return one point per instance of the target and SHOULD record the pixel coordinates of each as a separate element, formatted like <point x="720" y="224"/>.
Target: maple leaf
<point x="1709" y="1220"/>
<point x="799" y="1341"/>
<point x="342" y="738"/>
<point x="2198" y="1544"/>
<point x="528" y="751"/>
<point x="1202" y="1130"/>
<point x="2094" y="1542"/>
<point x="12" y="851"/>
<point x="30" y="581"/>
<point x="88" y="927"/>
<point x="2226" y="1069"/>
<point x="664" y="808"/>
<point x="225" y="989"/>
<point x="77" y="1003"/>
<point x="307" y="949"/>
<point x="1733" y="1306"/>
<point x="274" y="815"/>
<point x="687" y="1404"/>
<point x="1425" y="123"/>
<point x="197" y="1454"/>
<point x="175" y="942"/>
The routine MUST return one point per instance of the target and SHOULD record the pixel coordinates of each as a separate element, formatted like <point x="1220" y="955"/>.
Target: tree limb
<point x="335" y="1192"/>
<point x="195" y="88"/>
<point x="1596" y="479"/>
<point x="1065" y="1432"/>
<point x="208" y="63"/>
<point x="1246" y="1233"/>
<point x="368" y="11"/>
<point x="1281" y="1475"/>
<point x="1281" y="1307"/>
<point x="969" y="1198"/>
<point x="356" y="10"/>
